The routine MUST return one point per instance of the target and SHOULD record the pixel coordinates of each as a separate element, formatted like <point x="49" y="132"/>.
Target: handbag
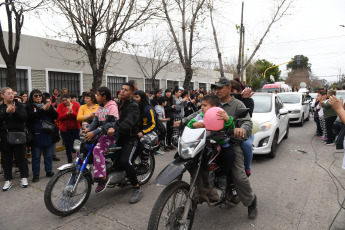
<point x="17" y="138"/>
<point x="47" y="127"/>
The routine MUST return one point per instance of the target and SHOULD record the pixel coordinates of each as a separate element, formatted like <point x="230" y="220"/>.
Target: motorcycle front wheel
<point x="59" y="197"/>
<point x="169" y="208"/>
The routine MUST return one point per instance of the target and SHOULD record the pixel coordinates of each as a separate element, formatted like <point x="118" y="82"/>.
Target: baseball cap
<point x="220" y="82"/>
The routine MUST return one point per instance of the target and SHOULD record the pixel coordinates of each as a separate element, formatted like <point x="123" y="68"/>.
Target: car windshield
<point x="262" y="103"/>
<point x="290" y="98"/>
<point x="270" y="90"/>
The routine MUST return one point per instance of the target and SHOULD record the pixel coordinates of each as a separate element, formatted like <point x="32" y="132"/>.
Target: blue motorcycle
<point x="69" y="189"/>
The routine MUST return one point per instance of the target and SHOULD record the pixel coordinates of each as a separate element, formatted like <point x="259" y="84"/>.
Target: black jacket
<point x="14" y="121"/>
<point x="127" y="125"/>
<point x="169" y="111"/>
<point x="248" y="102"/>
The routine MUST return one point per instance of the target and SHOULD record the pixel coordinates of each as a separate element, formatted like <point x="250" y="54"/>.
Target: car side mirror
<point x="283" y="111"/>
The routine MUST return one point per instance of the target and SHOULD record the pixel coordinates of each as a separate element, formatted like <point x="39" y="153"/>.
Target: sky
<point x="311" y="28"/>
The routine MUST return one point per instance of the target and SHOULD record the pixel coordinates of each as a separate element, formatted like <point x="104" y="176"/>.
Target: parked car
<point x="298" y="106"/>
<point x="272" y="116"/>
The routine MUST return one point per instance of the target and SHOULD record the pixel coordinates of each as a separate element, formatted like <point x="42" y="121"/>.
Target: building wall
<point x="38" y="79"/>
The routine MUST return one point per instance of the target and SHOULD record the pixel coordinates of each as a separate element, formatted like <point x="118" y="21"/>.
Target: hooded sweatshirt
<point x="98" y="123"/>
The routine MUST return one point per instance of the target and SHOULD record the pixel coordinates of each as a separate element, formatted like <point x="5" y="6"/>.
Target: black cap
<point x="220" y="82"/>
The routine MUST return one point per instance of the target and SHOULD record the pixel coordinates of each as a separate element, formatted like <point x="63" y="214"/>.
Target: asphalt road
<point x="293" y="193"/>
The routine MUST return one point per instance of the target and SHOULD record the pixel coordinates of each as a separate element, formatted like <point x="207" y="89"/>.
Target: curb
<point x="60" y="148"/>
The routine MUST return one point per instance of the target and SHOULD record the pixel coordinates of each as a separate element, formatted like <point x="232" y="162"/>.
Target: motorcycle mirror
<point x="242" y="113"/>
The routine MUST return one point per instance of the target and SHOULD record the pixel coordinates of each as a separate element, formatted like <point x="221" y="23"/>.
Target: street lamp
<point x="298" y="63"/>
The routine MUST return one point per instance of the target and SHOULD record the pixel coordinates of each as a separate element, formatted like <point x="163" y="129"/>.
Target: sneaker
<point x="137" y="194"/>
<point x="329" y="143"/>
<point x="7" y="186"/>
<point x="248" y="172"/>
<point x="55" y="158"/>
<point x="36" y="178"/>
<point x="142" y="169"/>
<point x="102" y="184"/>
<point x="24" y="182"/>
<point x="323" y="138"/>
<point x="159" y="152"/>
<point x="172" y="147"/>
<point x="222" y="182"/>
<point x="16" y="171"/>
<point x="252" y="209"/>
<point x="49" y="174"/>
<point x="166" y="148"/>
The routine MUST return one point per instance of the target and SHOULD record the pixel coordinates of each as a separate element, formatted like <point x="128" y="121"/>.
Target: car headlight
<point x="265" y="126"/>
<point x="186" y="149"/>
<point x="295" y="111"/>
<point x="76" y="145"/>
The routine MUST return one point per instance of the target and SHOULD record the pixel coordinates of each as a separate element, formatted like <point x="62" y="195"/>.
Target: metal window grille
<point x="60" y="80"/>
<point x="115" y="83"/>
<point x="172" y="84"/>
<point x="21" y="76"/>
<point x="148" y="84"/>
<point x="203" y="86"/>
<point x="191" y="86"/>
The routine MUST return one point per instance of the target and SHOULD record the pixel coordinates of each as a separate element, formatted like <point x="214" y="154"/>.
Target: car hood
<point x="292" y="106"/>
<point x="263" y="117"/>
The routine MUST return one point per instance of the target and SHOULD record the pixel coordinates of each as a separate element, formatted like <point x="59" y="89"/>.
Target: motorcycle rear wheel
<point x="169" y="207"/>
<point x="58" y="196"/>
<point x="143" y="179"/>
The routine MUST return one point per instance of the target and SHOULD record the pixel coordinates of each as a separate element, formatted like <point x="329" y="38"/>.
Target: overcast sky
<point x="311" y="29"/>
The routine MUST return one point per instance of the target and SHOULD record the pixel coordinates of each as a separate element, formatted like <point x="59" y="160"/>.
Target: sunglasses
<point x="38" y="95"/>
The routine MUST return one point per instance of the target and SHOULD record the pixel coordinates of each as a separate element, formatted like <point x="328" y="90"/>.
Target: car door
<point x="305" y="106"/>
<point x="280" y="118"/>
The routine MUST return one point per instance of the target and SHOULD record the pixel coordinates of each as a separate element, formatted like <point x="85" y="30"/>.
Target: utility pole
<point x="242" y="61"/>
<point x="239" y="65"/>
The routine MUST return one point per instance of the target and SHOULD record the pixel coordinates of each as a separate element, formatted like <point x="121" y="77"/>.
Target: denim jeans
<point x="36" y="158"/>
<point x="248" y="152"/>
<point x="68" y="138"/>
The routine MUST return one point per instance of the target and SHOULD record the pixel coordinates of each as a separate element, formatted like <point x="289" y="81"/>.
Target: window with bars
<point x="191" y="86"/>
<point x="172" y="84"/>
<point x="148" y="84"/>
<point x="22" y="79"/>
<point x="114" y="83"/>
<point x="60" y="80"/>
<point x="203" y="86"/>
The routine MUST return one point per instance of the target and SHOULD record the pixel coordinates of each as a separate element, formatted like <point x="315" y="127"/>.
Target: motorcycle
<point x="69" y="189"/>
<point x="198" y="154"/>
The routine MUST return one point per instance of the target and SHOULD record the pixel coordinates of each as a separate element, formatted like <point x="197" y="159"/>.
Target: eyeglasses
<point x="38" y="95"/>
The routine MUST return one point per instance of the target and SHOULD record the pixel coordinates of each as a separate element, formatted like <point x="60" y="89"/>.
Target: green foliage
<point x="255" y="73"/>
<point x="299" y="62"/>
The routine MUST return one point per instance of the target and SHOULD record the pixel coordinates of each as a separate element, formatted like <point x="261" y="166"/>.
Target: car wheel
<point x="287" y="131"/>
<point x="302" y="120"/>
<point x="274" y="146"/>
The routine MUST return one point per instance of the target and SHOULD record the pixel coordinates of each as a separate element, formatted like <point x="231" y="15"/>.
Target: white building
<point x="46" y="64"/>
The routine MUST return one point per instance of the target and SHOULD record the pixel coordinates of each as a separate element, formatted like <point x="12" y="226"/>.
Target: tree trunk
<point x="188" y="78"/>
<point x="11" y="80"/>
<point x="97" y="80"/>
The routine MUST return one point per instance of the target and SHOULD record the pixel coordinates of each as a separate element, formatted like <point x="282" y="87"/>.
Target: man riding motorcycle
<point x="127" y="129"/>
<point x="230" y="104"/>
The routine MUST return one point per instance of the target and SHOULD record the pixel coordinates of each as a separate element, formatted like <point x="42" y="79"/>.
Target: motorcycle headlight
<point x="265" y="126"/>
<point x="76" y="145"/>
<point x="295" y="111"/>
<point x="186" y="149"/>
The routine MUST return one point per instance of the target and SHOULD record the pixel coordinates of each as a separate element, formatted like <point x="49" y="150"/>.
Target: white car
<point x="298" y="106"/>
<point x="272" y="116"/>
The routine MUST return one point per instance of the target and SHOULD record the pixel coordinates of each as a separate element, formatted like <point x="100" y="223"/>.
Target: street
<point x="293" y="193"/>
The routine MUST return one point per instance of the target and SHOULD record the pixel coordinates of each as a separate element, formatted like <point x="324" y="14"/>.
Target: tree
<point x="98" y="24"/>
<point x="299" y="62"/>
<point x="280" y="10"/>
<point x="300" y="71"/>
<point x="15" y="20"/>
<point x="183" y="31"/>
<point x="255" y="73"/>
<point x="157" y="56"/>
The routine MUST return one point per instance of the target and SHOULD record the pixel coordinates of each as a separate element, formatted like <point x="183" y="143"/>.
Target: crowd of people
<point x="137" y="113"/>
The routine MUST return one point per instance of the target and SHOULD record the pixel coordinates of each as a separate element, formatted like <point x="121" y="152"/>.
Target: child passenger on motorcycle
<point x="148" y="136"/>
<point x="227" y="153"/>
<point x="98" y="125"/>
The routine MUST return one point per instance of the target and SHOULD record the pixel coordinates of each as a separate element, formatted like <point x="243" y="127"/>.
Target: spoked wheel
<point x="169" y="208"/>
<point x="143" y="179"/>
<point x="59" y="197"/>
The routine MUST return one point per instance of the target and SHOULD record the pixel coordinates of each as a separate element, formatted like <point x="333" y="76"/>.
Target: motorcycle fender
<point x="172" y="171"/>
<point x="65" y="166"/>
